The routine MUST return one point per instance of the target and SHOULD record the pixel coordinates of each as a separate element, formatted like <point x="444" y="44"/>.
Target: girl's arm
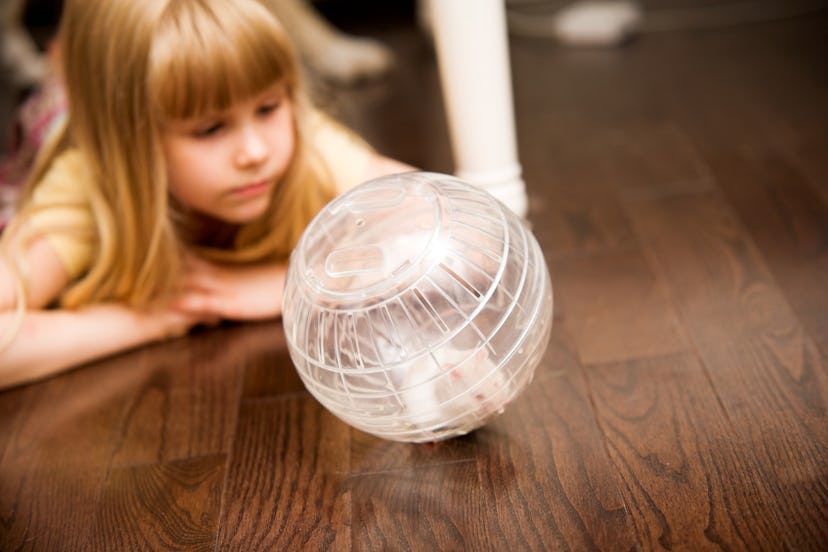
<point x="49" y="341"/>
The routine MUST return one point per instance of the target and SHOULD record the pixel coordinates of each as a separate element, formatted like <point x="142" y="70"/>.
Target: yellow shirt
<point x="63" y="205"/>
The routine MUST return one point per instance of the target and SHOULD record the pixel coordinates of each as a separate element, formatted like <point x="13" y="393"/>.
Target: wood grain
<point x="788" y="221"/>
<point x="615" y="309"/>
<point x="55" y="460"/>
<point x="688" y="476"/>
<point x="285" y="485"/>
<point x="770" y="377"/>
<point x="163" y="506"/>
<point x="546" y="471"/>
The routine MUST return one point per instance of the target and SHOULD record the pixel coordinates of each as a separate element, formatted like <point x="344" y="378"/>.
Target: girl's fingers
<point x="207" y="306"/>
<point x="193" y="302"/>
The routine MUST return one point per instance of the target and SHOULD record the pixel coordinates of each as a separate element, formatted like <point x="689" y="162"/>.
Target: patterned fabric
<point x="38" y="116"/>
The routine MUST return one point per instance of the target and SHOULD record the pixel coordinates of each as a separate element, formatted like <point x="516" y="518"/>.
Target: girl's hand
<point x="169" y="323"/>
<point x="233" y="292"/>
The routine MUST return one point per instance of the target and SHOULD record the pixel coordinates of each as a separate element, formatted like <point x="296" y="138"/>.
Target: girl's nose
<point x="252" y="147"/>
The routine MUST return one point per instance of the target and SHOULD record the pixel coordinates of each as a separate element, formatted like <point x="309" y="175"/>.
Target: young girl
<point x="187" y="169"/>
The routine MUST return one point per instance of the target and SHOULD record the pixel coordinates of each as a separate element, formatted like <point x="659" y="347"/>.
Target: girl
<point x="186" y="171"/>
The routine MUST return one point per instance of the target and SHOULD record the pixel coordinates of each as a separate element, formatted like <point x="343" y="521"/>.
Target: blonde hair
<point x="129" y="67"/>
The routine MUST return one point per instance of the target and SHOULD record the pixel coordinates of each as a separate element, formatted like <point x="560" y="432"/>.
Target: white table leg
<point x="473" y="55"/>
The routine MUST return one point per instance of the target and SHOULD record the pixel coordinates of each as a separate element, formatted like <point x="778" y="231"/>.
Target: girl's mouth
<point x="250" y="190"/>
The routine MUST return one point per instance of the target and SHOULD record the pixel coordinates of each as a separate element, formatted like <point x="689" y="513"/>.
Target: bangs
<point x="209" y="55"/>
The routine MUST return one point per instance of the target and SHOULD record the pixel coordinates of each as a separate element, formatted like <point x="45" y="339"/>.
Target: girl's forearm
<point x="49" y="342"/>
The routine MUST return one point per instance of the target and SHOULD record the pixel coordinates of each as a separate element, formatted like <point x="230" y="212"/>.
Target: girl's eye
<point x="268" y="108"/>
<point x="209" y="129"/>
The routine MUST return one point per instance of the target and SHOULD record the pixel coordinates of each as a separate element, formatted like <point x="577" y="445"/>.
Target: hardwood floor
<point x="679" y="189"/>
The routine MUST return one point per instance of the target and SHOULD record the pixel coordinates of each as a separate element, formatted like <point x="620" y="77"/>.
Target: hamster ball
<point x="417" y="307"/>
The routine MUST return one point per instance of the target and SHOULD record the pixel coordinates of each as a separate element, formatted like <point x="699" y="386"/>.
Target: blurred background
<point x="757" y="51"/>
<point x="649" y="113"/>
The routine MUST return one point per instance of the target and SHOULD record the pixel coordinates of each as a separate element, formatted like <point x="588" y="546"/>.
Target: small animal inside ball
<point x="417" y="307"/>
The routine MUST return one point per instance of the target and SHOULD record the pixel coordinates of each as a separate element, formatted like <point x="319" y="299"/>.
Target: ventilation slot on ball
<point x="432" y="312"/>
<point x="460" y="280"/>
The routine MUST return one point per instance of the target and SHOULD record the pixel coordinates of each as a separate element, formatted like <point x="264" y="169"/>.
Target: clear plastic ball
<point x="417" y="307"/>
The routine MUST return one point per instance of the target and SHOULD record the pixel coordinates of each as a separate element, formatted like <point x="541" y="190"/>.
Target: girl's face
<point x="227" y="164"/>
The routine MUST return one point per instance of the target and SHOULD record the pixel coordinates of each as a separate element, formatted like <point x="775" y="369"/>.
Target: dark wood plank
<point x="167" y="506"/>
<point x="548" y="480"/>
<point x="808" y="156"/>
<point x="135" y="411"/>
<point x="269" y="371"/>
<point x="56" y="456"/>
<point x="574" y="210"/>
<point x="285" y="487"/>
<point x="647" y="161"/>
<point x="12" y="406"/>
<point x="615" y="309"/>
<point x="769" y="375"/>
<point x="428" y="507"/>
<point x="733" y="83"/>
<point x="184" y="398"/>
<point x="788" y="221"/>
<point x="688" y="475"/>
<point x="48" y="508"/>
